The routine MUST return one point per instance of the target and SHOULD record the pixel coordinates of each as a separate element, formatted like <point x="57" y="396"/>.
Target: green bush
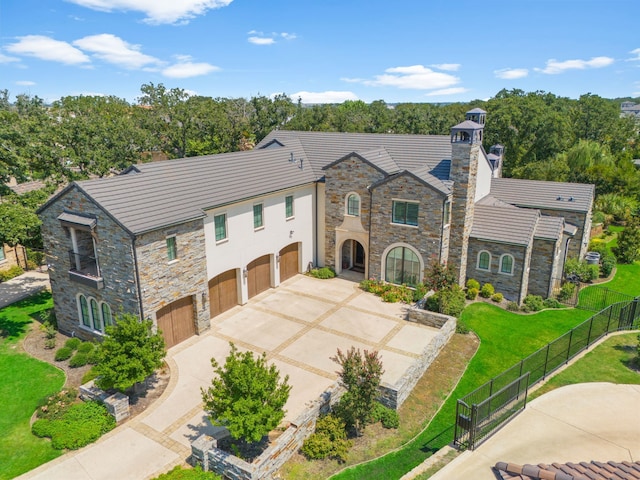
<point x="462" y="329"/>
<point x="472" y="283"/>
<point x="432" y="303"/>
<point x="598" y="245"/>
<point x="86" y="347"/>
<point x="419" y="292"/>
<point x="328" y="441"/>
<point x="581" y="269"/>
<point x="63" y="353"/>
<point x="513" y="306"/>
<point x="532" y="303"/>
<point x="73" y="343"/>
<point x="439" y="276"/>
<point x="50" y="343"/>
<point x="79" y="425"/>
<point x="472" y="293"/>
<point x="452" y="300"/>
<point x="551" y="303"/>
<point x="487" y="290"/>
<point x="567" y="290"/>
<point x="497" y="297"/>
<point x="181" y="473"/>
<point x="36" y="256"/>
<point x="53" y="406"/>
<point x="92" y="357"/>
<point x="322" y="273"/>
<point x="608" y="264"/>
<point x="89" y="375"/>
<point x="11" y="272"/>
<point x="385" y="415"/>
<point x="78" y="360"/>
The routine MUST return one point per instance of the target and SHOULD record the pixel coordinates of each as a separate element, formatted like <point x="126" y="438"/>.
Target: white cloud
<point x="416" y="77"/>
<point x="288" y="36"/>
<point x="448" y="67"/>
<point x="511" y="73"/>
<point x="46" y="48"/>
<point x="185" y="68"/>
<point x="7" y="59"/>
<point x="157" y="11"/>
<point x="323" y="97"/>
<point x="636" y="56"/>
<point x="448" y="91"/>
<point x="261" y="40"/>
<point x="554" y="67"/>
<point x="114" y="50"/>
<point x="25" y="83"/>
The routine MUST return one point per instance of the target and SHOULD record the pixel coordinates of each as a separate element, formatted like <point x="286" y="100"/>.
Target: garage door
<point x="259" y="275"/>
<point x="176" y="321"/>
<point x="288" y="261"/>
<point x="223" y="292"/>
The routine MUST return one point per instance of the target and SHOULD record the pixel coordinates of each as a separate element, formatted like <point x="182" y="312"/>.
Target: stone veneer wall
<point x="581" y="220"/>
<point x="426" y="238"/>
<point x="162" y="282"/>
<point x="117" y="403"/>
<point x="204" y="449"/>
<point x="10" y="254"/>
<point x="350" y="175"/>
<point x="511" y="286"/>
<point x="464" y="174"/>
<point x="115" y="257"/>
<point x="544" y="266"/>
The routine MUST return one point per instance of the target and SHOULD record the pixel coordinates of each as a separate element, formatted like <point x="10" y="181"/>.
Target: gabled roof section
<point x="423" y="177"/>
<point x="409" y="152"/>
<point x="549" y="228"/>
<point x="382" y="159"/>
<point x="568" y="471"/>
<point x="576" y="197"/>
<point x="175" y="191"/>
<point x="511" y="225"/>
<point x="387" y="162"/>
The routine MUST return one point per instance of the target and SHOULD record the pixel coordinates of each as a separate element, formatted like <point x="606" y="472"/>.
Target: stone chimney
<point x="466" y="144"/>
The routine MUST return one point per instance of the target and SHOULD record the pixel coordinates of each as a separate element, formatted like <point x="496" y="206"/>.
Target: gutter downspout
<point x="137" y="274"/>
<point x="315" y="237"/>
<point x="370" y="190"/>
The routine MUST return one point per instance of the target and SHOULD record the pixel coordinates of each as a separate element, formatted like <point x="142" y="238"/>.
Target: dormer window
<point x="353" y="205"/>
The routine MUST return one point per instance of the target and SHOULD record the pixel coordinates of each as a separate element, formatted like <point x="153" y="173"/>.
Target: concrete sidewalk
<point x="576" y="423"/>
<point x="21" y="287"/>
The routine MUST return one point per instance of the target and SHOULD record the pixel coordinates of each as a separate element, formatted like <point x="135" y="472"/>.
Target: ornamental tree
<point x="129" y="353"/>
<point x="246" y="396"/>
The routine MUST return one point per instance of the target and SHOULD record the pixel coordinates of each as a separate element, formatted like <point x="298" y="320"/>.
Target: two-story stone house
<point x="181" y="241"/>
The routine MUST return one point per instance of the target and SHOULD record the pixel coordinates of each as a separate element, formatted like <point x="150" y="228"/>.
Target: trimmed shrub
<point x="472" y="293"/>
<point x="598" y="245"/>
<point x="63" y="353"/>
<point x="551" y="303"/>
<point x="86" y="347"/>
<point x="513" y="306"/>
<point x="452" y="300"/>
<point x="472" y="283"/>
<point x="608" y="264"/>
<point x="328" y="441"/>
<point x="566" y="291"/>
<point x="181" y="473"/>
<point x="385" y="415"/>
<point x="73" y="343"/>
<point x="11" y="272"/>
<point x="487" y="290"/>
<point x="532" y="303"/>
<point x="462" y="329"/>
<point x="322" y="273"/>
<point x="78" y="360"/>
<point x="497" y="297"/>
<point x="50" y="343"/>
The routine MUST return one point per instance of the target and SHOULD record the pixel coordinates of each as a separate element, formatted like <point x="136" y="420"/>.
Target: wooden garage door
<point x="223" y="292"/>
<point x="176" y="321"/>
<point x="259" y="275"/>
<point x="288" y="261"/>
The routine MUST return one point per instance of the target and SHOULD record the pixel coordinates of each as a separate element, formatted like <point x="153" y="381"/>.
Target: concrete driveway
<point x="299" y="325"/>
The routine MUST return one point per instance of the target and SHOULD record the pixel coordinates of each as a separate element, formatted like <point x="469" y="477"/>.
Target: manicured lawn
<point x="614" y="360"/>
<point x="506" y="338"/>
<point x="23" y="383"/>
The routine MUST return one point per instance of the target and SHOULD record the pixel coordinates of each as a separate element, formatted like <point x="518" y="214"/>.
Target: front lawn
<point x="24" y="382"/>
<point x="505" y="338"/>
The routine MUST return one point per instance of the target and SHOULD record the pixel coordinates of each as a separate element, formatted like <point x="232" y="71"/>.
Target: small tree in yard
<point x="129" y="353"/>
<point x="360" y="376"/>
<point x="628" y="248"/>
<point x="246" y="396"/>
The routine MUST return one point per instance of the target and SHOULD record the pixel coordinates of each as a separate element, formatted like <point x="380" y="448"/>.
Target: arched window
<point x="95" y="315"/>
<point x="353" y="205"/>
<point x="84" y="311"/>
<point x="402" y="266"/>
<point x="484" y="261"/>
<point x="107" y="319"/>
<point x="506" y="264"/>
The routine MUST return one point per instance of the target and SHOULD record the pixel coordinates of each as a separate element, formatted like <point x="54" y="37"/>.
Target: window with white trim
<point x="484" y="261"/>
<point x="220" y="224"/>
<point x="506" y="264"/>
<point x="107" y="318"/>
<point x="3" y="256"/>
<point x="353" y="205"/>
<point x="405" y="213"/>
<point x="288" y="206"/>
<point x="258" y="218"/>
<point x="94" y="315"/>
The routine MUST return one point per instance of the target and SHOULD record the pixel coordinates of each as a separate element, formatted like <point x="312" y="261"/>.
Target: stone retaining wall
<point x="117" y="403"/>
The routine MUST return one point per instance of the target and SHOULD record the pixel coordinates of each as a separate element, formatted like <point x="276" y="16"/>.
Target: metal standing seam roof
<point x="576" y="197"/>
<point x="175" y="191"/>
<point x="504" y="224"/>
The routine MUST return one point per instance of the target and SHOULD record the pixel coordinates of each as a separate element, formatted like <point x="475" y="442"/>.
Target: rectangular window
<point x="405" y="213"/>
<point x="288" y="202"/>
<point x="258" y="221"/>
<point x="3" y="257"/>
<point x="447" y="213"/>
<point x="220" y="222"/>
<point x="172" y="249"/>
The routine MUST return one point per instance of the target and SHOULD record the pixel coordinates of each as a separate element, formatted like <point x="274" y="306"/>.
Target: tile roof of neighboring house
<point x="159" y="194"/>
<point x="545" y="195"/>
<point x="504" y="224"/>
<point x="549" y="227"/>
<point x="569" y="471"/>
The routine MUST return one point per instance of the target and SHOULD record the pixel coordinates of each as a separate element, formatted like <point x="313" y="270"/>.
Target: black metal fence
<point x="596" y="298"/>
<point x="483" y="411"/>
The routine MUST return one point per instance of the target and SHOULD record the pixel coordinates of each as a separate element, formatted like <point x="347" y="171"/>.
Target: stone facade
<point x="545" y="265"/>
<point x="580" y="241"/>
<point x="114" y="252"/>
<point x="13" y="256"/>
<point x="117" y="403"/>
<point x="163" y="281"/>
<point x="513" y="286"/>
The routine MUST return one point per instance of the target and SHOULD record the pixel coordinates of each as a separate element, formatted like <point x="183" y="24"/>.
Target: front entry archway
<point x="353" y="256"/>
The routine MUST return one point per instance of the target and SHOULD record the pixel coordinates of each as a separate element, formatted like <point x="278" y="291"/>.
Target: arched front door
<point x="353" y="256"/>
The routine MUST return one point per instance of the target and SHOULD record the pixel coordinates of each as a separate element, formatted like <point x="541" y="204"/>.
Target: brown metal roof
<point x="549" y="228"/>
<point x="504" y="224"/>
<point x="569" y="471"/>
<point x="545" y="195"/>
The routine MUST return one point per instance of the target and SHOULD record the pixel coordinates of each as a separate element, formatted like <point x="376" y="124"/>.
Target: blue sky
<point x="321" y="50"/>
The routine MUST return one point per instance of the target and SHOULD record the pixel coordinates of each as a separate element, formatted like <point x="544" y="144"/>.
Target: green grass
<point x="506" y="338"/>
<point x="24" y="382"/>
<point x="614" y="360"/>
